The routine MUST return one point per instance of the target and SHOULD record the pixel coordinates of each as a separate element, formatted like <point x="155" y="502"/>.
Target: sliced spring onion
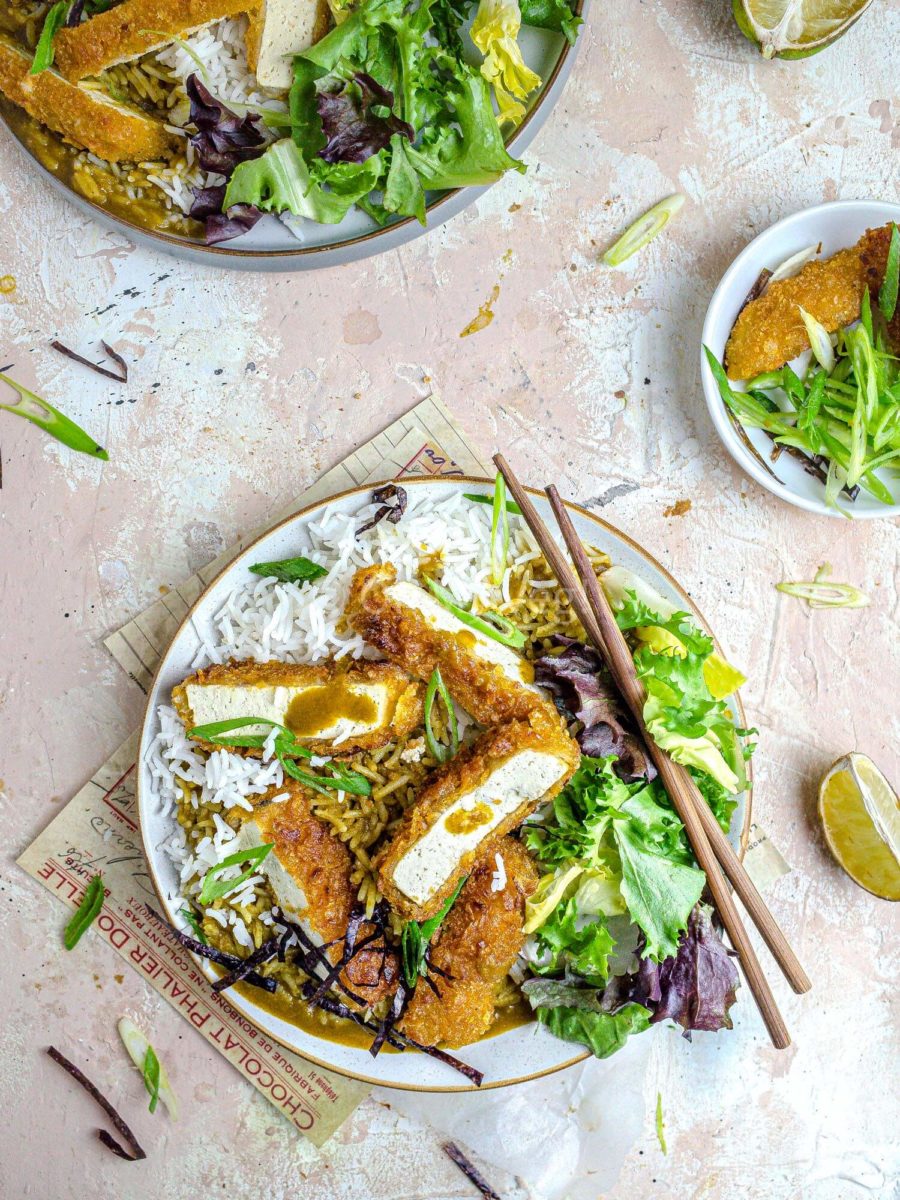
<point x="890" y="285"/>
<point x="491" y="624"/>
<point x="145" y="1059"/>
<point x="341" y="779"/>
<point x="213" y="888"/>
<point x="819" y="339"/>
<point x="86" y="913"/>
<point x="215" y="731"/>
<point x="819" y="594"/>
<point x="191" y="917"/>
<point x="415" y="938"/>
<point x="52" y="421"/>
<point x="499" y="532"/>
<point x="54" y="20"/>
<point x="660" y="1124"/>
<point x="643" y="230"/>
<point x="792" y="265"/>
<point x="480" y="498"/>
<point x="437" y="687"/>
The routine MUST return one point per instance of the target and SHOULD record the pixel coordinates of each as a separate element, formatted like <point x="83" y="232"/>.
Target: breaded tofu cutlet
<point x="769" y="331"/>
<point x="331" y="708"/>
<point x="476" y="945"/>
<point x="408" y="625"/>
<point x="308" y="869"/>
<point x="133" y="28"/>
<point x="468" y="805"/>
<point x="90" y="119"/>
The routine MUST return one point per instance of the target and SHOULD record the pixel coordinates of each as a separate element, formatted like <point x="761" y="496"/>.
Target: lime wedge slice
<point x="796" y="28"/>
<point x="860" y="815"/>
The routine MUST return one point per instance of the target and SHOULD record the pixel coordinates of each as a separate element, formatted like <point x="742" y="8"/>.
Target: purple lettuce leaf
<point x="696" y="988"/>
<point x="223" y="139"/>
<point x="223" y="226"/>
<point x="579" y="681"/>
<point x="353" y="131"/>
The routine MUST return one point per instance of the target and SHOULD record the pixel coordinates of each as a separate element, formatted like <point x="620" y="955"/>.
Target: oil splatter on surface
<point x="244" y="387"/>
<point x="485" y="314"/>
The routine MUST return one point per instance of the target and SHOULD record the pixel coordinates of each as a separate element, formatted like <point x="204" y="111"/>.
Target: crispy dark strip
<point x="110" y="1142"/>
<point x="217" y="956"/>
<point x="457" y="1064"/>
<point x="757" y="290"/>
<point x="393" y="512"/>
<point x="470" y="1171"/>
<point x="337" y="1009"/>
<point x="386" y="1027"/>
<point x="331" y="977"/>
<point x="262" y="954"/>
<point x="96" y="1094"/>
<point x="312" y="956"/>
<point x="117" y="359"/>
<point x="86" y="362"/>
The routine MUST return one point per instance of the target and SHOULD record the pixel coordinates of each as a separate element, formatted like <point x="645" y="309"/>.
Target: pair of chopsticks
<point x="711" y="848"/>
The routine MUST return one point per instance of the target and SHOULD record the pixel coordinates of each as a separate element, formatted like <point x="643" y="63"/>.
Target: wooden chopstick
<point x="688" y="810"/>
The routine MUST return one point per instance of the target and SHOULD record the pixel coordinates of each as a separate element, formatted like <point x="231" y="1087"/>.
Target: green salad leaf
<point x="56" y="17"/>
<point x="602" y="1032"/>
<point x="581" y="949"/>
<point x="290" y="570"/>
<point x="551" y="14"/>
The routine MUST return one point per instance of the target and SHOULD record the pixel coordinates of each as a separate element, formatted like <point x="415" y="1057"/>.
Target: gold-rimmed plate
<point x="513" y="1056"/>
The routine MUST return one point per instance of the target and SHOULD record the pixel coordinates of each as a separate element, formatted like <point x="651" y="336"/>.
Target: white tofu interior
<point x="288" y="893"/>
<point x="486" y="648"/>
<point x="521" y="779"/>
<point x="224" y="702"/>
<point x="288" y="27"/>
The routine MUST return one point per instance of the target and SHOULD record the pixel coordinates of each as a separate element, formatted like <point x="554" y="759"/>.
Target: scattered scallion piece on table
<point x="491" y="624"/>
<point x="470" y="1171"/>
<point x="86" y="913"/>
<point x="213" y="887"/>
<point x="52" y="421"/>
<point x="660" y="1124"/>
<point x="145" y="1059"/>
<point x="822" y="593"/>
<point x="437" y="687"/>
<point x="643" y="230"/>
<point x="499" y="532"/>
<point x="53" y="22"/>
<point x="290" y="570"/>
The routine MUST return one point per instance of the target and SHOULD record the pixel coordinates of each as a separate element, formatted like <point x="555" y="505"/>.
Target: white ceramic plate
<point x="836" y="225"/>
<point x="511" y="1057"/>
<point x="270" y="246"/>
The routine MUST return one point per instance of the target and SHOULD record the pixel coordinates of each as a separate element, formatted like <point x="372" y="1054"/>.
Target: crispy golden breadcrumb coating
<point x="319" y="863"/>
<point x="770" y="332"/>
<point x="131" y="29"/>
<point x="403" y="709"/>
<point x="87" y="118"/>
<point x="470" y="769"/>
<point x="476" y="945"/>
<point x="406" y="638"/>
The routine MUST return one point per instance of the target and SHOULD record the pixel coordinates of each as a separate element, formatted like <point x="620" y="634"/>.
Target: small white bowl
<point x="836" y="226"/>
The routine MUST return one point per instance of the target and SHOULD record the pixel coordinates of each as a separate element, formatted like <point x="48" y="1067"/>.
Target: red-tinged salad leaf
<point x="223" y="139"/>
<point x="581" y="684"/>
<point x="358" y="120"/>
<point x="234" y="222"/>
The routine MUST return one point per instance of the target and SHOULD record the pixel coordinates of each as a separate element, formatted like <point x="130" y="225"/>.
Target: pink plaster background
<point x="245" y="387"/>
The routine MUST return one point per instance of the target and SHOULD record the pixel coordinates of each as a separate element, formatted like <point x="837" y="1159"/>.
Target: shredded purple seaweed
<point x="86" y="362"/>
<point x="262" y="954"/>
<point x="217" y="956"/>
<point x="120" y="1126"/>
<point x="470" y="1171"/>
<point x="393" y="512"/>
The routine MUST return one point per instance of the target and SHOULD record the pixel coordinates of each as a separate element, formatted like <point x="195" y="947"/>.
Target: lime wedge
<point x="796" y="28"/>
<point x="860" y="815"/>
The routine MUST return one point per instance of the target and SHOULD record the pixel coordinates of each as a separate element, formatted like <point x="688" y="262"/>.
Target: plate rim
<point x="715" y="405"/>
<point x="447" y="205"/>
<point x="149" y="711"/>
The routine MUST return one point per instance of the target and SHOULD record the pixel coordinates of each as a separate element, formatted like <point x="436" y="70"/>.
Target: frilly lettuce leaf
<point x="577" y="947"/>
<point x="551" y="14"/>
<point x="494" y="32"/>
<point x="550" y="890"/>
<point x="602" y="1032"/>
<point x="659" y="892"/>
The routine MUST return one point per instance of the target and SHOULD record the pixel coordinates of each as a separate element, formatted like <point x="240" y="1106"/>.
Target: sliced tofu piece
<point x="405" y="622"/>
<point x="278" y="30"/>
<point x="86" y="117"/>
<point x="133" y="28"/>
<point x="473" y="950"/>
<point x="332" y="708"/>
<point x="483" y="793"/>
<point x="309" y="872"/>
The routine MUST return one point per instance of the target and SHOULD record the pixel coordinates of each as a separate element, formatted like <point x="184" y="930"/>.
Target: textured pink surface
<point x="244" y="387"/>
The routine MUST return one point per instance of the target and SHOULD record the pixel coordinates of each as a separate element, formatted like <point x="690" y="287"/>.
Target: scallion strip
<point x="191" y="917"/>
<point x="820" y="594"/>
<point x="480" y="498"/>
<point x="213" y="888"/>
<point x="491" y="624"/>
<point x="86" y="913"/>
<point x="286" y="743"/>
<point x="56" y="17"/>
<point x="437" y="687"/>
<point x="147" y="1062"/>
<point x="52" y="421"/>
<point x="890" y="285"/>
<point x="499" y="532"/>
<point x="643" y="230"/>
